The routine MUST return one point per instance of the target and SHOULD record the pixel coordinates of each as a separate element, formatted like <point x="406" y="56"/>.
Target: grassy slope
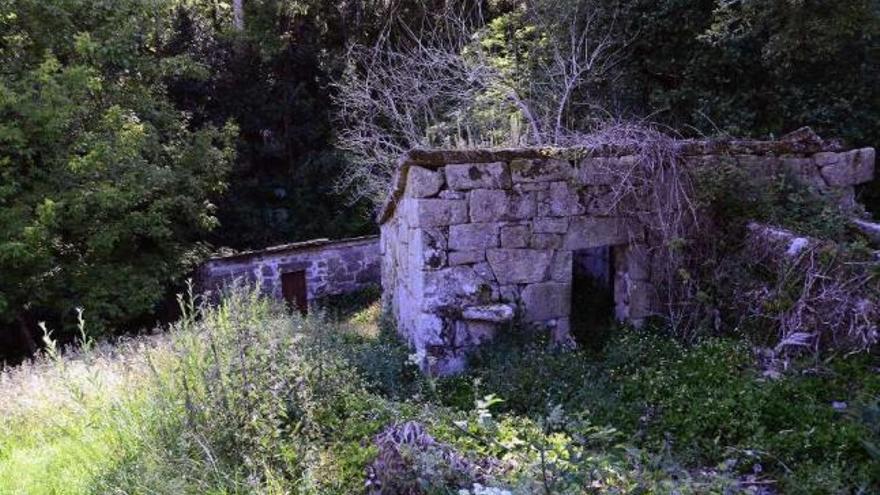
<point x="249" y="400"/>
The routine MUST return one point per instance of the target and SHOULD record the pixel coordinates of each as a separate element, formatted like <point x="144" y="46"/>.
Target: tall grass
<point x="63" y="421"/>
<point x="232" y="399"/>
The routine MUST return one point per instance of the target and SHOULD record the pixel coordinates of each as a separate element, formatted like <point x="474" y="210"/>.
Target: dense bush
<point x="106" y="189"/>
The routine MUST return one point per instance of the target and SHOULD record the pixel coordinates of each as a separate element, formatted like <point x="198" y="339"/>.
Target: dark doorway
<point x="293" y="288"/>
<point x="592" y="295"/>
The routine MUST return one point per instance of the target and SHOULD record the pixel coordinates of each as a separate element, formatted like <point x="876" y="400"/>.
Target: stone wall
<point x="331" y="267"/>
<point x="475" y="240"/>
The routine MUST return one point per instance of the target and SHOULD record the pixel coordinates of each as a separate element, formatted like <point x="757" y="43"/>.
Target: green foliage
<point x="716" y="406"/>
<point x="528" y="375"/>
<point x="707" y="403"/>
<point x="759" y="67"/>
<point x="106" y="187"/>
<point x="732" y="197"/>
<point x="743" y="286"/>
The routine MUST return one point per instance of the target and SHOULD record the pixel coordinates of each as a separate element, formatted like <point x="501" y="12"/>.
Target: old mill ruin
<point x="474" y="240"/>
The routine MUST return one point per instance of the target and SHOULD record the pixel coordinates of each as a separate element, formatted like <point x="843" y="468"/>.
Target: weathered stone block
<point x="427" y="249"/>
<point x="550" y="225"/>
<point x="515" y="236"/>
<point x="599" y="200"/>
<point x="757" y="166"/>
<point x="587" y="232"/>
<point x="847" y="169"/>
<point x="826" y="158"/>
<point x="541" y="170"/>
<point x="473" y="333"/>
<point x="635" y="260"/>
<point x="466" y="257"/>
<point x="508" y="293"/>
<point x="472" y="236"/>
<point x="452" y="286"/>
<point x="598" y="171"/>
<point x="642" y="297"/>
<point x="531" y="186"/>
<point x="447" y="194"/>
<point x="521" y="206"/>
<point x="561" y="200"/>
<point x="546" y="241"/>
<point x="870" y="229"/>
<point x="708" y="160"/>
<point x="463" y="177"/>
<point x="804" y="171"/>
<point x="481" y="332"/>
<point x="422" y="183"/>
<point x="561" y="333"/>
<point x="492" y="205"/>
<point x="484" y="271"/>
<point x="434" y="212"/>
<point x="428" y="330"/>
<point x="487" y="205"/>
<point x="545" y="301"/>
<point x="561" y="269"/>
<point x="497" y="313"/>
<point x="370" y="274"/>
<point x="519" y="266"/>
<point x="298" y="265"/>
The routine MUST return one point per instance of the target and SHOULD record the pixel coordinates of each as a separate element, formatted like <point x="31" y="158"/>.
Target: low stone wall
<point x="331" y="267"/>
<point x="474" y="240"/>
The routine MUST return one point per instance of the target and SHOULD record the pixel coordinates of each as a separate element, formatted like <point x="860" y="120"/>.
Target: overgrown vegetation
<point x="822" y="297"/>
<point x="245" y="398"/>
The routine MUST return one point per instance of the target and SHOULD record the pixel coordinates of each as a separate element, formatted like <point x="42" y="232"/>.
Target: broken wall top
<point x="296" y="247"/>
<point x="801" y="143"/>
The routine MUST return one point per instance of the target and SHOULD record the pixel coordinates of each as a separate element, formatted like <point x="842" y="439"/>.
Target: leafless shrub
<point x="410" y="461"/>
<point x="405" y="92"/>
<point x="819" y="299"/>
<point x="427" y="85"/>
<point x="569" y="67"/>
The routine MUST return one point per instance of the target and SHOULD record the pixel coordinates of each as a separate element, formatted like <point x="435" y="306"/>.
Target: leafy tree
<point x="105" y="188"/>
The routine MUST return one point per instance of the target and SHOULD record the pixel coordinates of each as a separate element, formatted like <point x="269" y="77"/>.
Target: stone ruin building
<point x="299" y="273"/>
<point x="474" y="240"/>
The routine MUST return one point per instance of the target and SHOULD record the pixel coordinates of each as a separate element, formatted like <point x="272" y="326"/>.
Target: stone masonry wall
<point x="473" y="241"/>
<point x="331" y="267"/>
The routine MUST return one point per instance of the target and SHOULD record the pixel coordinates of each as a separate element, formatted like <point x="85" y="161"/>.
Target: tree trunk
<point x="238" y="14"/>
<point x="25" y="335"/>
